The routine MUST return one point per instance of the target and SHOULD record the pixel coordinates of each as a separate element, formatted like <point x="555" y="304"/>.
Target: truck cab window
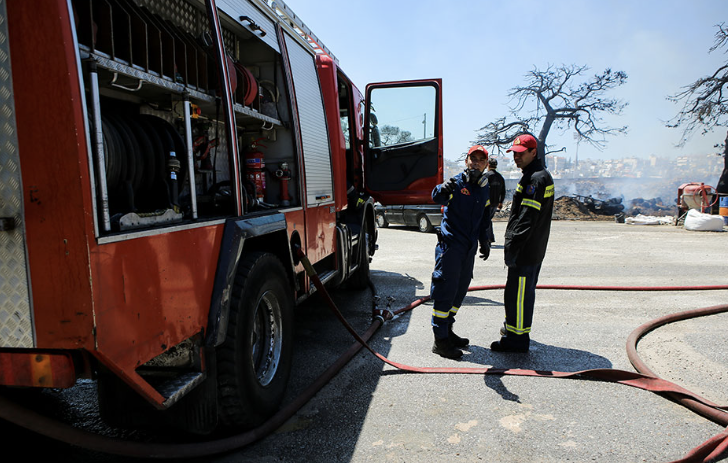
<point x="401" y="115"/>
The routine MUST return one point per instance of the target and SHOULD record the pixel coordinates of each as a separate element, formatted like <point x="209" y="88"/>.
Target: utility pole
<point x="577" y="137"/>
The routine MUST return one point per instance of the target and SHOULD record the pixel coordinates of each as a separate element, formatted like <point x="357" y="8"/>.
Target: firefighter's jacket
<point x="527" y="232"/>
<point x="466" y="216"/>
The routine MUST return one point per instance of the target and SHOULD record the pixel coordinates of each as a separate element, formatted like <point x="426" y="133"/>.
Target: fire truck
<point x="162" y="164"/>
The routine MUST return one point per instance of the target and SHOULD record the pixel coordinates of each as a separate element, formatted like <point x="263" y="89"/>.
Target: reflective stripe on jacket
<point x="527" y="232"/>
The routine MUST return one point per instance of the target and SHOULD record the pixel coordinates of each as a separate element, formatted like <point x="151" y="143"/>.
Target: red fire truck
<point x="161" y="162"/>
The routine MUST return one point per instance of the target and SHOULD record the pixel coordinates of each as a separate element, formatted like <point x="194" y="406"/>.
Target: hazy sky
<point x="482" y="49"/>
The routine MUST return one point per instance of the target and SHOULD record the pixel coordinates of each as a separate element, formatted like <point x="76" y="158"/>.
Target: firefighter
<point x="465" y="220"/>
<point x="527" y="235"/>
<point x="497" y="185"/>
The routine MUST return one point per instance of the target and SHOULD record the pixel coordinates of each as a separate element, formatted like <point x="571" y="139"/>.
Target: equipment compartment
<point x="158" y="131"/>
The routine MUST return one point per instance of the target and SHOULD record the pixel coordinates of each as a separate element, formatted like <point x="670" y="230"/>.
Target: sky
<point x="482" y="49"/>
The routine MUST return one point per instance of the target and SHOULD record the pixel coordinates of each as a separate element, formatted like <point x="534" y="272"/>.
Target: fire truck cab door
<point x="403" y="141"/>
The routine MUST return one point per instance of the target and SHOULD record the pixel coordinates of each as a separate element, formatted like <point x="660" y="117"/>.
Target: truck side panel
<point x="153" y="292"/>
<point x="50" y="131"/>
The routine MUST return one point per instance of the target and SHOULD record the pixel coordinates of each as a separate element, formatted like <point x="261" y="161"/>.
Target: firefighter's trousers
<point x="519" y="297"/>
<point x="491" y="234"/>
<point x="450" y="281"/>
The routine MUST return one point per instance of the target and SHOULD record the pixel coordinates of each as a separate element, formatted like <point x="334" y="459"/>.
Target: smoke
<point x="627" y="189"/>
<point x="627" y="179"/>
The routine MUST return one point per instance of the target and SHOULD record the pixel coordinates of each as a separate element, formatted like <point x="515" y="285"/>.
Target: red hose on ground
<point x="706" y="452"/>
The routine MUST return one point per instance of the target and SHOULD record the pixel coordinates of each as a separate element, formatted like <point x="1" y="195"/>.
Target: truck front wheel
<point x="254" y="362"/>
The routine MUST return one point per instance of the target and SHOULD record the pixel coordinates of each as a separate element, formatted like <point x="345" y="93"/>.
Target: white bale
<point x="697" y="221"/>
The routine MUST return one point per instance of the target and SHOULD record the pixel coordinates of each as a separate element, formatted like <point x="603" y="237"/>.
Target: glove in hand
<point x="484" y="252"/>
<point x="449" y="186"/>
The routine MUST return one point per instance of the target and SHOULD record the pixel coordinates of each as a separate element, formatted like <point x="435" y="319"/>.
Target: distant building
<point x="663" y="172"/>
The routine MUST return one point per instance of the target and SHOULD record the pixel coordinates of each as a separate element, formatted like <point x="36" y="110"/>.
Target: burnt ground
<point x="571" y="208"/>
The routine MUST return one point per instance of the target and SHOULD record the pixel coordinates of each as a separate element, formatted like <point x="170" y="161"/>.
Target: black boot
<point x="511" y="343"/>
<point x="445" y="348"/>
<point x="456" y="340"/>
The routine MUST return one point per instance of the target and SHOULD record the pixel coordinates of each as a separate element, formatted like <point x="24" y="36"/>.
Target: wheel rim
<point x="380" y="220"/>
<point x="423" y="223"/>
<point x="267" y="340"/>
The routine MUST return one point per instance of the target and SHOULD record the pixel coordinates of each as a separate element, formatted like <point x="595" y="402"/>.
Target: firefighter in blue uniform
<point x="527" y="235"/>
<point x="463" y="231"/>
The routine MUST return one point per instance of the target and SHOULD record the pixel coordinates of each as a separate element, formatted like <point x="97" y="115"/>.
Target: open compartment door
<point x="403" y="141"/>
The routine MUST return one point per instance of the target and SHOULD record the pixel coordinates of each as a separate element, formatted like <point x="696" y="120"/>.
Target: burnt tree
<point x="705" y="104"/>
<point x="558" y="98"/>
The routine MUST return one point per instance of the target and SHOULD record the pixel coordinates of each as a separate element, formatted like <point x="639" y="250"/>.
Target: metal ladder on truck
<point x="284" y="12"/>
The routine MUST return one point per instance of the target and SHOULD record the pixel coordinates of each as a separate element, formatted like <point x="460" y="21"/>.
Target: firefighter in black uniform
<point x="527" y="235"/>
<point x="497" y="185"/>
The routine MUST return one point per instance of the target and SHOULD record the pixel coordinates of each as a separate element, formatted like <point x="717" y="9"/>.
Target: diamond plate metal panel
<point x="180" y="12"/>
<point x="187" y="16"/>
<point x="16" y="327"/>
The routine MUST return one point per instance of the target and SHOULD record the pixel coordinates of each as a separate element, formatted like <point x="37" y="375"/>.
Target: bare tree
<point x="392" y="135"/>
<point x="558" y="98"/>
<point x="705" y="105"/>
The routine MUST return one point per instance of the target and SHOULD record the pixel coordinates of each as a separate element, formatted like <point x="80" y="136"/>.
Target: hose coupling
<point x="382" y="314"/>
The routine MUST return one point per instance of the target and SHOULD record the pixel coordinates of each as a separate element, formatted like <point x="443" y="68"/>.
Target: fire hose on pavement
<point x="645" y="379"/>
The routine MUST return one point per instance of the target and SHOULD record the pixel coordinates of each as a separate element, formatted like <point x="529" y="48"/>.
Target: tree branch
<point x="704" y="105"/>
<point x="554" y="99"/>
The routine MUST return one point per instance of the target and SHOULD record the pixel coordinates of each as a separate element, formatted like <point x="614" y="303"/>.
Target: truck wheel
<point x="360" y="278"/>
<point x="382" y="221"/>
<point x="254" y="362"/>
<point x="423" y="223"/>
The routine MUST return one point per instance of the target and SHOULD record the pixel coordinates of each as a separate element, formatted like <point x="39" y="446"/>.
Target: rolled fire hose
<point x="706" y="452"/>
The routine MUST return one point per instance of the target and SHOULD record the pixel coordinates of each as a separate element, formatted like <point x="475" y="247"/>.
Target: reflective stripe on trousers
<point x="519" y="297"/>
<point x="450" y="282"/>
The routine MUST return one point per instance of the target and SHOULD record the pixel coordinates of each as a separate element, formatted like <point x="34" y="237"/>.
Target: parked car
<point x="423" y="216"/>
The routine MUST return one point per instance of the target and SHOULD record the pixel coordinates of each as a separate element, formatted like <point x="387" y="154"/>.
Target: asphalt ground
<point x="372" y="412"/>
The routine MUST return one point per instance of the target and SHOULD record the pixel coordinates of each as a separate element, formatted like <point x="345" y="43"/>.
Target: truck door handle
<point x="252" y="25"/>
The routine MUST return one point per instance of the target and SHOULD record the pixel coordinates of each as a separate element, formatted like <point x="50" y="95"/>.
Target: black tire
<point x="254" y="362"/>
<point x="381" y="220"/>
<point x="360" y="278"/>
<point x="423" y="224"/>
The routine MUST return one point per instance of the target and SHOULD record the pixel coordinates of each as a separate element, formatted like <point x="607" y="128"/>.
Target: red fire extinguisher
<point x="284" y="175"/>
<point x="255" y="168"/>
